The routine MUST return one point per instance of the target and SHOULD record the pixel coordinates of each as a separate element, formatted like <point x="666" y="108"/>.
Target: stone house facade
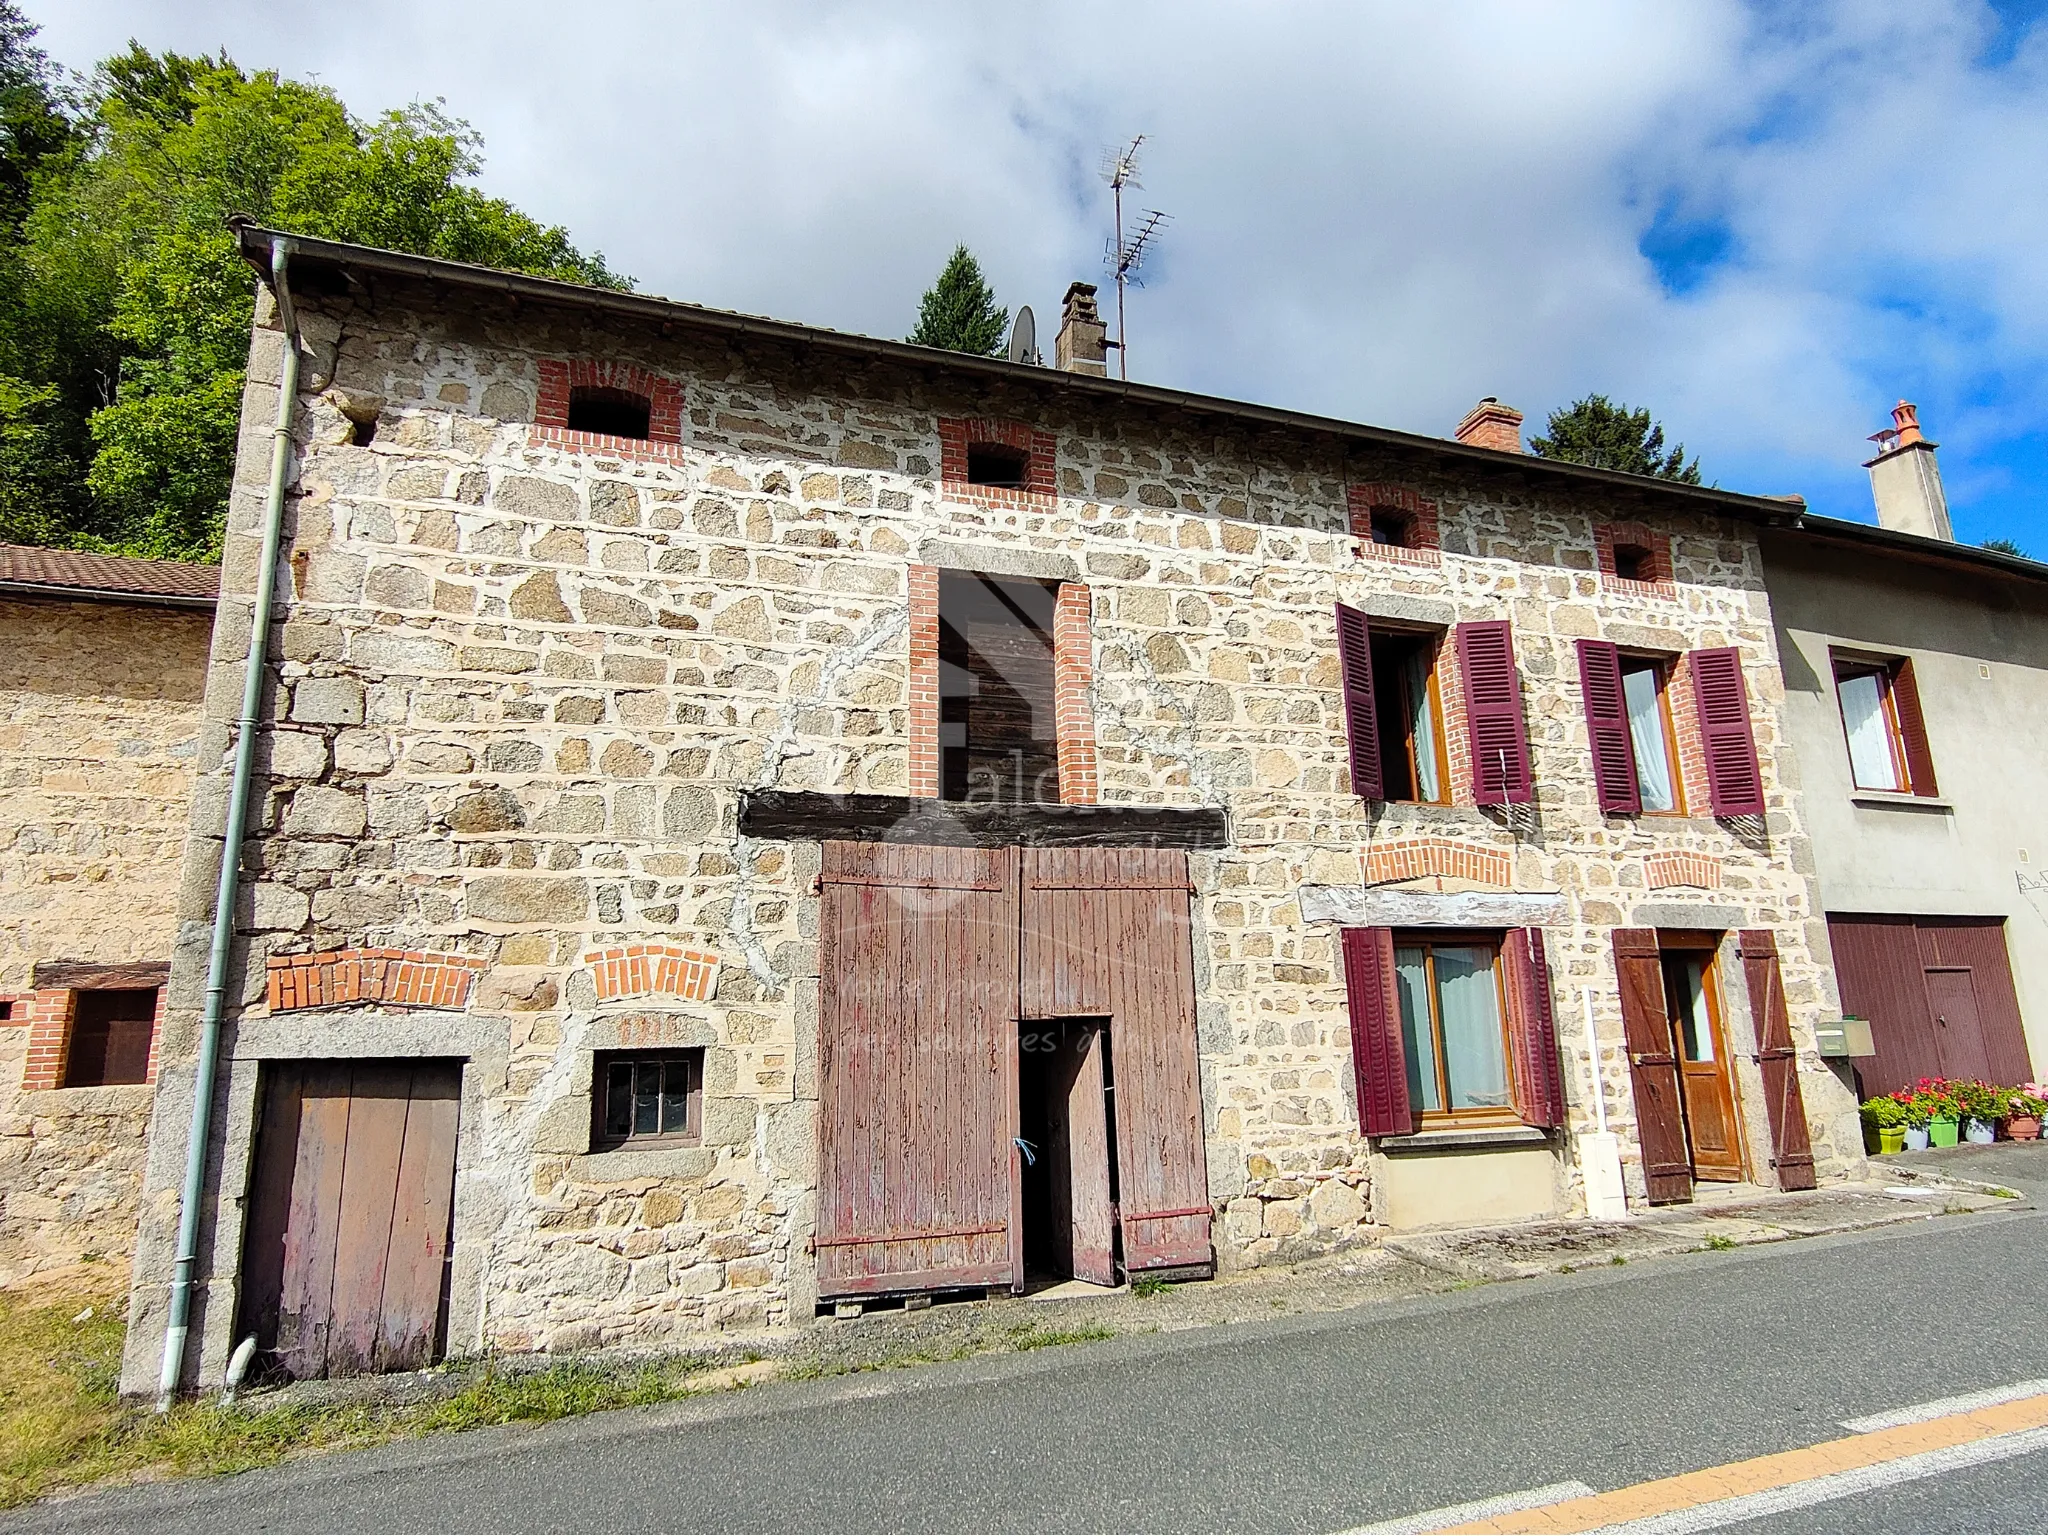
<point x="674" y="712"/>
<point x="102" y="665"/>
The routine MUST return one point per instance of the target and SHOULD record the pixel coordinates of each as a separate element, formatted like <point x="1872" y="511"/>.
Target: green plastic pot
<point x="1891" y="1138"/>
<point x="1943" y="1133"/>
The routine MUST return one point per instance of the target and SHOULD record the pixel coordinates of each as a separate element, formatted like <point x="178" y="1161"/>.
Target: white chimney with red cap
<point x="1905" y="481"/>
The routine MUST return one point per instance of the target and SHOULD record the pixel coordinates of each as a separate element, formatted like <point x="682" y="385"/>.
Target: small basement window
<point x="647" y="1098"/>
<point x="110" y="1036"/>
<point x="1634" y="562"/>
<point x="612" y="412"/>
<point x="998" y="466"/>
<point x="998" y="735"/>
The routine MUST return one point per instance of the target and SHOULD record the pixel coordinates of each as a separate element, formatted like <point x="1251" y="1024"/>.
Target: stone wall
<point x="524" y="682"/>
<point x="99" y="712"/>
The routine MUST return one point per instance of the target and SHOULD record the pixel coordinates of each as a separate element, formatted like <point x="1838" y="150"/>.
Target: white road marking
<point x="1942" y="1407"/>
<point x="1842" y="1485"/>
<point x="1478" y="1509"/>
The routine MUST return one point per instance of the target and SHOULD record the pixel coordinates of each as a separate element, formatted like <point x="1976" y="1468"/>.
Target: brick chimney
<point x="1082" y="346"/>
<point x="1489" y="424"/>
<point x="1904" y="480"/>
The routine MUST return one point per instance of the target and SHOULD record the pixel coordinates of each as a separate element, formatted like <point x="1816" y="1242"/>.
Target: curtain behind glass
<point x="1418" y="1039"/>
<point x="1687" y="981"/>
<point x="1646" y="735"/>
<point x="1422" y="724"/>
<point x="1474" y="1058"/>
<point x="1870" y="738"/>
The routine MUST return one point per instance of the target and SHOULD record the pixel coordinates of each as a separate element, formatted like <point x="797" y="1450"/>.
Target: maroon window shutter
<point x="1539" y="1088"/>
<point x="1652" y="1065"/>
<point x="1377" y="1054"/>
<point x="1361" y="713"/>
<point x="1614" y="753"/>
<point x="1791" y="1145"/>
<point x="1493" y="713"/>
<point x="1735" y="784"/>
<point x="1913" y="730"/>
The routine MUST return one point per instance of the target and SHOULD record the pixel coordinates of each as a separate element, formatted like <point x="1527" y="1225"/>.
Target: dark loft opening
<point x="1390" y="528"/>
<point x="1412" y="759"/>
<point x="362" y="431"/>
<point x="997" y="738"/>
<point x="614" y="412"/>
<point x="110" y="1034"/>
<point x="1632" y="562"/>
<point x="997" y="466"/>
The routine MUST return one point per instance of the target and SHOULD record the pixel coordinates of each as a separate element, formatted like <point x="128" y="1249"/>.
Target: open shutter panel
<point x="1913" y="731"/>
<point x="1791" y="1146"/>
<point x="1377" y="1055"/>
<point x="1493" y="713"/>
<point x="1652" y="1065"/>
<point x="1539" y="1079"/>
<point x="1361" y="714"/>
<point x="1614" y="754"/>
<point x="1735" y="785"/>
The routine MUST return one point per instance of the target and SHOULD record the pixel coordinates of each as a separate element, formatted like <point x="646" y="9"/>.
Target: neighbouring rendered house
<point x="102" y="667"/>
<point x="1916" y="682"/>
<point x="746" y="820"/>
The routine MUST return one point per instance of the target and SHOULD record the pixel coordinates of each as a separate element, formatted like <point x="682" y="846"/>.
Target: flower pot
<point x="1943" y="1133"/>
<point x="1982" y="1132"/>
<point x="1891" y="1138"/>
<point x="2024" y="1127"/>
<point x="1916" y="1138"/>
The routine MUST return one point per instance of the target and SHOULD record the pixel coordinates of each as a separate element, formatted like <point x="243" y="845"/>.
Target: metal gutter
<point x="40" y="590"/>
<point x="1918" y="547"/>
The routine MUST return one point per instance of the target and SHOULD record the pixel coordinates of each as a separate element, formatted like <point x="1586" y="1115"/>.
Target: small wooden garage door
<point x="1939" y="994"/>
<point x="916" y="1067"/>
<point x="344" y="1265"/>
<point x="1106" y="933"/>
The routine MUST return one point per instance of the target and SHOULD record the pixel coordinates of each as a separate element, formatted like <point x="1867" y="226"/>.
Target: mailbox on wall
<point x="1844" y="1037"/>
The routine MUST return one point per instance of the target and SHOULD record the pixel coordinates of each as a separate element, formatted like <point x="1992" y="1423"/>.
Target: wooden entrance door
<point x="1078" y="1152"/>
<point x="1107" y="933"/>
<point x="917" y="1068"/>
<point x="1958" y="1025"/>
<point x="1653" y="1066"/>
<point x="344" y="1264"/>
<point x="1693" y="1008"/>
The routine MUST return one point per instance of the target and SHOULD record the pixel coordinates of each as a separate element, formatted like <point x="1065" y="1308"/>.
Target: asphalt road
<point x="1607" y="1378"/>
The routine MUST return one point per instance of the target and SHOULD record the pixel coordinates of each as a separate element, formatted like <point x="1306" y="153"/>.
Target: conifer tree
<point x="959" y="311"/>
<point x="1598" y="432"/>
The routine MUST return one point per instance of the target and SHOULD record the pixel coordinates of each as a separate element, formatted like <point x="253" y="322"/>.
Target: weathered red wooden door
<point x="1653" y="1065"/>
<point x="1078" y="1149"/>
<point x="344" y="1260"/>
<point x="1106" y="933"/>
<point x="917" y="1078"/>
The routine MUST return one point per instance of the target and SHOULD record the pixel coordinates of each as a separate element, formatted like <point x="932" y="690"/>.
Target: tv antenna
<point x="1125" y="257"/>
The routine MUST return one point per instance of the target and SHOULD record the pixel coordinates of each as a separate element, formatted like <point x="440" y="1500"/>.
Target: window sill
<point x="1476" y="1139"/>
<point x="1910" y="802"/>
<point x="630" y="1162"/>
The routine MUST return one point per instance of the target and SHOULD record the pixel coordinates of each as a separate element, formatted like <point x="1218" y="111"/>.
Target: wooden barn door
<point x="917" y="1081"/>
<point x="1106" y="933"/>
<point x="344" y="1266"/>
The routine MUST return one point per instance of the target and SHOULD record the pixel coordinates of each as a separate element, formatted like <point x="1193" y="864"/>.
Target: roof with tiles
<point x="25" y="569"/>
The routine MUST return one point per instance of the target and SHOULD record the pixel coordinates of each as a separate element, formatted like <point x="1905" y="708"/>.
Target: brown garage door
<point x="917" y="1077"/>
<point x="1939" y="994"/>
<point x="1106" y="933"/>
<point x="344" y="1265"/>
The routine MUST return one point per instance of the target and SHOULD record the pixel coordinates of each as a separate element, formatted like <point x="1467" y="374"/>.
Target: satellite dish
<point x="1024" y="338"/>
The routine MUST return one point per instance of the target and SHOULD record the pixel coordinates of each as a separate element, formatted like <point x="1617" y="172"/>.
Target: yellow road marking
<point x="1666" y="1495"/>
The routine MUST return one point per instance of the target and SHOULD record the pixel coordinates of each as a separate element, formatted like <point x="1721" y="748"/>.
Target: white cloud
<point x="1382" y="211"/>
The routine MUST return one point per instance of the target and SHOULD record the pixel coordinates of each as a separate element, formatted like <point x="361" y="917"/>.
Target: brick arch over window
<point x="1040" y="448"/>
<point x="1659" y="578"/>
<point x="559" y="377"/>
<point x="641" y="970"/>
<point x="1666" y="871"/>
<point x="1450" y="858"/>
<point x="1422" y="534"/>
<point x="396" y="978"/>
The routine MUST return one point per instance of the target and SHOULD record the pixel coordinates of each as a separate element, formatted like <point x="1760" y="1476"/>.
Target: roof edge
<point x="47" y="591"/>
<point x="1918" y="547"/>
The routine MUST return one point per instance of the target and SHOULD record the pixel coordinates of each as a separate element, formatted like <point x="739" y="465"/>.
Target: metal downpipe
<point x="226" y="895"/>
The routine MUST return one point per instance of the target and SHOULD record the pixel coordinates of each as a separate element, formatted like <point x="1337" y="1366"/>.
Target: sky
<point x="1765" y="222"/>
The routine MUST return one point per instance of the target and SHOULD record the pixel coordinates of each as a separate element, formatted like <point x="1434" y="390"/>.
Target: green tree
<point x="1598" y="432"/>
<point x="2004" y="547"/>
<point x="959" y="311"/>
<point x="128" y="331"/>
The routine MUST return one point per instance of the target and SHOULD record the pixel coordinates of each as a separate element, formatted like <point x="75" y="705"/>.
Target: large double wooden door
<point x="931" y="960"/>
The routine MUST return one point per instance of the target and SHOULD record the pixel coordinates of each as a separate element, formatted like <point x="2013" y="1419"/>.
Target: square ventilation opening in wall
<point x="612" y="412"/>
<point x="998" y="466"/>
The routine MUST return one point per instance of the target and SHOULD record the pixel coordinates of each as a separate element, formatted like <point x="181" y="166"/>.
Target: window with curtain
<point x="1453" y="1027"/>
<point x="1410" y="716"/>
<point x="1871" y="726"/>
<point x="1650" y="734"/>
